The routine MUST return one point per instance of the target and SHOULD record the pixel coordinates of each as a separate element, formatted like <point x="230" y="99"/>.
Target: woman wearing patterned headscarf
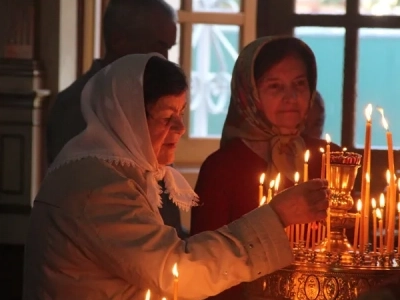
<point x="273" y="85"/>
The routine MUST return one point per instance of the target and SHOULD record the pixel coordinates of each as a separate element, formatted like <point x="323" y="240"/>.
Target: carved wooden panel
<point x="17" y="20"/>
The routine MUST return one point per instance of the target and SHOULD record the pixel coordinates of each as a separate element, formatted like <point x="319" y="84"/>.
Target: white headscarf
<point x="113" y="107"/>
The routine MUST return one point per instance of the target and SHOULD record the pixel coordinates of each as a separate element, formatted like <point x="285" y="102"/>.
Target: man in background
<point x="129" y="27"/>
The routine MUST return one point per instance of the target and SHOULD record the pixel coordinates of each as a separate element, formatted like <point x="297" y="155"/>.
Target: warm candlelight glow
<point x="378" y="214"/>
<point x="388" y="176"/>
<point x="148" y="295"/>
<point x="398" y="207"/>
<point x="322" y="150"/>
<point x="344" y="149"/>
<point x="359" y="205"/>
<point x="382" y="200"/>
<point x="262" y="178"/>
<point x="277" y="181"/>
<point x="328" y="138"/>
<point x="373" y="203"/>
<point x="175" y="270"/>
<point x="163" y="298"/>
<point x="307" y="156"/>
<point x="323" y="162"/>
<point x="296" y="178"/>
<point x="263" y="200"/>
<point x="368" y="112"/>
<point x="272" y="184"/>
<point x="385" y="123"/>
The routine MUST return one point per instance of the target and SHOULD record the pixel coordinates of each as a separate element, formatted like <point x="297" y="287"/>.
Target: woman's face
<point x="165" y="122"/>
<point x="284" y="93"/>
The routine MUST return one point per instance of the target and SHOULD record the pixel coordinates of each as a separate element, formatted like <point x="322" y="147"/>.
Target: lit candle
<point x="398" y="228"/>
<point x="176" y="274"/>
<point x="306" y="158"/>
<point x="323" y="162"/>
<point x="296" y="182"/>
<point x="163" y="298"/>
<point x="365" y="213"/>
<point x="385" y="212"/>
<point x="296" y="178"/>
<point x="328" y="178"/>
<point x="391" y="202"/>
<point x="373" y="204"/>
<point x="147" y="295"/>
<point x="261" y="188"/>
<point x="277" y="181"/>
<point x="366" y="169"/>
<point x="356" y="227"/>
<point x="379" y="216"/>
<point x="263" y="200"/>
<point x="382" y="209"/>
<point x="271" y="186"/>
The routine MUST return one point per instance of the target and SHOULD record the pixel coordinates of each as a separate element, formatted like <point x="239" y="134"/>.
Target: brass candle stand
<point x="343" y="273"/>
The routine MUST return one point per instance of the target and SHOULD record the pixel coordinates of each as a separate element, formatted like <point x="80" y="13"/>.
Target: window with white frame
<point x="211" y="34"/>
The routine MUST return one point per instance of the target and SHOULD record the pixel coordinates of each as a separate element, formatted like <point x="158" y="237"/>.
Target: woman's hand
<point x="304" y="203"/>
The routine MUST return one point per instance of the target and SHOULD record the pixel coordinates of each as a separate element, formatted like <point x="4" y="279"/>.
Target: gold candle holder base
<point x="318" y="282"/>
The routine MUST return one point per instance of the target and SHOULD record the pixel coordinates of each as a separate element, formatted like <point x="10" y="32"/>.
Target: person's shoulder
<point x="231" y="149"/>
<point x="74" y="90"/>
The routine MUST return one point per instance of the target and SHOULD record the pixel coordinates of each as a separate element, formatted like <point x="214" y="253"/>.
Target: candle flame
<point x="306" y="156"/>
<point x="344" y="149"/>
<point x="382" y="200"/>
<point x="388" y="176"/>
<point x="322" y="150"/>
<point x="368" y="112"/>
<point x="328" y="138"/>
<point x="175" y="270"/>
<point x="367" y="178"/>
<point x="296" y="177"/>
<point x="384" y="121"/>
<point x="378" y="213"/>
<point x="277" y="181"/>
<point x="263" y="200"/>
<point x="262" y="178"/>
<point x="147" y="295"/>
<point x="398" y="207"/>
<point x="272" y="184"/>
<point x="163" y="298"/>
<point x="359" y="205"/>
<point x="373" y="203"/>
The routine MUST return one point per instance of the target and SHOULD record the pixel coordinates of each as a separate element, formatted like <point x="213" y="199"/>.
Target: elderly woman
<point x="273" y="86"/>
<point x="96" y="230"/>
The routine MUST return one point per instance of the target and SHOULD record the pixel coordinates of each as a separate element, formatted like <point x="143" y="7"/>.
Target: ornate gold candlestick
<point x="341" y="274"/>
<point x="342" y="181"/>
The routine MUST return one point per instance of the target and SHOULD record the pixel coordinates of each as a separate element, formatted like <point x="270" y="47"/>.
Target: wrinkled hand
<point x="304" y="203"/>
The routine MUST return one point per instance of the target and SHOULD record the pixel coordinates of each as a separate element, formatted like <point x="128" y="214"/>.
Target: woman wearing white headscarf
<point x="96" y="231"/>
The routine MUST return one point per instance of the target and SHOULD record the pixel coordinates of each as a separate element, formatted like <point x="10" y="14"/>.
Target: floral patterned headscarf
<point x="247" y="121"/>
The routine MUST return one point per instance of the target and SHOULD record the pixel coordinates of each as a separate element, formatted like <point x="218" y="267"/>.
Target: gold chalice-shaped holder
<point x="340" y="273"/>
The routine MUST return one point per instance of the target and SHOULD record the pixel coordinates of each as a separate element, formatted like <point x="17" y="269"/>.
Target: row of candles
<point x="390" y="209"/>
<point x="296" y="233"/>
<point x="379" y="223"/>
<point x="175" y="294"/>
